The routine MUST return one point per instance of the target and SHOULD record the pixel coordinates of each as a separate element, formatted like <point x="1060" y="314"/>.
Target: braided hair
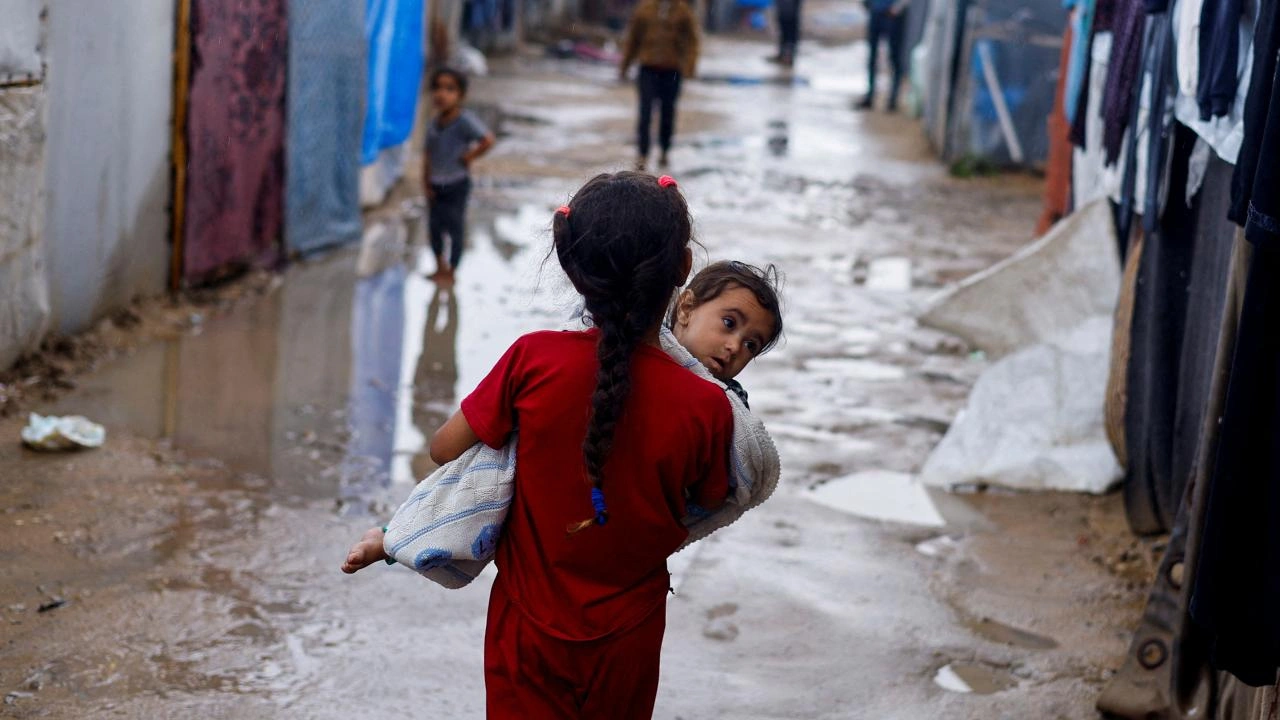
<point x="622" y="241"/>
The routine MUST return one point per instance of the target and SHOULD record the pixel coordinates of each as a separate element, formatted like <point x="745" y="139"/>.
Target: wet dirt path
<point x="198" y="552"/>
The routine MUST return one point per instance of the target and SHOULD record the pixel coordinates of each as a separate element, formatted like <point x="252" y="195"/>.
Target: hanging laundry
<point x="1219" y="53"/>
<point x="1255" y="191"/>
<point x="1076" y="68"/>
<point x="1223" y="134"/>
<point x="1187" y="31"/>
<point x="1123" y="72"/>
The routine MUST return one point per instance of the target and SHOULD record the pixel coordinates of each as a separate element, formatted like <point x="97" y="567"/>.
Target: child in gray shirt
<point x="455" y="138"/>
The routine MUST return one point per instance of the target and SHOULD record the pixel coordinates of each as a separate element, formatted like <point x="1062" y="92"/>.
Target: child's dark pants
<point x="532" y="675"/>
<point x="449" y="217"/>
<point x="892" y="29"/>
<point x="664" y="87"/>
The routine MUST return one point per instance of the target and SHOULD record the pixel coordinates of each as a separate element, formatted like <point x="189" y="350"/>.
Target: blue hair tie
<point x="597" y="501"/>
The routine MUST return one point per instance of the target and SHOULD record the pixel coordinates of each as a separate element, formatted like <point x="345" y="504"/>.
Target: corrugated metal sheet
<point x="110" y="79"/>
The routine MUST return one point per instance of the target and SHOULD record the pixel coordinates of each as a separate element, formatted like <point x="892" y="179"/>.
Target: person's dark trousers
<point x="449" y="217"/>
<point x="662" y="86"/>
<point x="891" y="28"/>
<point x="788" y="28"/>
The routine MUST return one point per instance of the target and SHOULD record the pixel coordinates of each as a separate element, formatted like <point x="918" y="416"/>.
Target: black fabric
<point x="449" y="217"/>
<point x="1159" y="134"/>
<point x="1255" y="194"/>
<point x="1237" y="591"/>
<point x="891" y="29"/>
<point x="1181" y="685"/>
<point x="663" y="87"/>
<point x="1124" y="75"/>
<point x="1178" y="302"/>
<point x="1219" y="56"/>
<point x="788" y="28"/>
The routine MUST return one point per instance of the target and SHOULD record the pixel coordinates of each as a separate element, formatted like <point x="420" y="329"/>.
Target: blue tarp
<point x="394" y="32"/>
<point x="326" y="96"/>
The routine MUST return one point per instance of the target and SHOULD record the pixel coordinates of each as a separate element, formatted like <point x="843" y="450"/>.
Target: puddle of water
<point x="891" y="274"/>
<point x="855" y="369"/>
<point x="1009" y="635"/>
<point x="331" y="383"/>
<point x="784" y="80"/>
<point x="835" y="439"/>
<point x="880" y="495"/>
<point x="974" y="678"/>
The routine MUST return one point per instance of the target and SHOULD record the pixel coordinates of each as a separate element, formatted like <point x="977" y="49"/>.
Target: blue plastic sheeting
<point x="394" y="31"/>
<point x="327" y="72"/>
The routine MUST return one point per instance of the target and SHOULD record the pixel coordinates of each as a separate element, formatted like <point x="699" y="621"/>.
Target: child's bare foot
<point x="366" y="552"/>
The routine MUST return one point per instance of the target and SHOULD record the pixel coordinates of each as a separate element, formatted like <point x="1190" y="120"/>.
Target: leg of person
<point x="624" y="672"/>
<point x="897" y="56"/>
<point x="669" y="90"/>
<point x="458" y="224"/>
<point x="874" y="30"/>
<point x="436" y="229"/>
<point x="526" y="674"/>
<point x="786" y="14"/>
<point x="646" y="84"/>
<point x="793" y="33"/>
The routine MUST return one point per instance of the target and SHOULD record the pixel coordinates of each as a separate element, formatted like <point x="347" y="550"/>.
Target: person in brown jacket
<point x="663" y="37"/>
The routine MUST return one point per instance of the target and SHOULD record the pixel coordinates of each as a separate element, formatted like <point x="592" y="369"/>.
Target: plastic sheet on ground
<point x="62" y="433"/>
<point x="1034" y="420"/>
<point x="1052" y="285"/>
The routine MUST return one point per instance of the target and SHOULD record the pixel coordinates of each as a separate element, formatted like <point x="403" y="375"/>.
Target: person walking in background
<point x="788" y="32"/>
<point x="455" y="138"/>
<point x="662" y="37"/>
<point x="888" y="22"/>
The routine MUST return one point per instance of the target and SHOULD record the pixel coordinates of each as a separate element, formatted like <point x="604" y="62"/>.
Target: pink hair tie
<point x="563" y="210"/>
<point x="667" y="181"/>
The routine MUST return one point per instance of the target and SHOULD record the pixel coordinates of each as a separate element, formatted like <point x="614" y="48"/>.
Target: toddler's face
<point x="445" y="93"/>
<point x="724" y="333"/>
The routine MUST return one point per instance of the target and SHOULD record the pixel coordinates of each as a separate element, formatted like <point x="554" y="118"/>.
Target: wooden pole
<point x="181" y="95"/>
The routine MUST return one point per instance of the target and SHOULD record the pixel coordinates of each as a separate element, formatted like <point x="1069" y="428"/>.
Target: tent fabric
<point x="235" y="135"/>
<point x="327" y="72"/>
<point x="393" y="29"/>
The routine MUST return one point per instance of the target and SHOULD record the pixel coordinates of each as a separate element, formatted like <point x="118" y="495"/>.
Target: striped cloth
<point x="449" y="527"/>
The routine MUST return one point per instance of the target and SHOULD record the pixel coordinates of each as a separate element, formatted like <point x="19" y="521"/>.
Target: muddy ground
<point x="189" y="569"/>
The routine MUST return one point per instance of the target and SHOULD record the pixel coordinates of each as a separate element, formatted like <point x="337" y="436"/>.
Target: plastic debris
<point x="55" y="433"/>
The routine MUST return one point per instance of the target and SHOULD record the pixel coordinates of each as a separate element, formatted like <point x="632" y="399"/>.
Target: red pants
<point x="531" y="675"/>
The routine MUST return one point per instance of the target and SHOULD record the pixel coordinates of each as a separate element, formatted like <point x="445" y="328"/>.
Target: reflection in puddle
<point x="881" y="495"/>
<point x="973" y="678"/>
<point x="329" y="384"/>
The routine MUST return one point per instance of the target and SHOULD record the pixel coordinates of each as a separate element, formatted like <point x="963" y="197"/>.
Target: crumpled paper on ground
<point x="53" y="433"/>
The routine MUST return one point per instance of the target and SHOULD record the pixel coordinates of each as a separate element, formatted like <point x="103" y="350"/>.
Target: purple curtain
<point x="235" y="135"/>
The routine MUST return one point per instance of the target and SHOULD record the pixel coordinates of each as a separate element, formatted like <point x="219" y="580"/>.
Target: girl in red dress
<point x="615" y="438"/>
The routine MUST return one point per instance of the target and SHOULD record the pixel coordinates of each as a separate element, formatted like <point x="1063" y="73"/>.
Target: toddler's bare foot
<point x="366" y="552"/>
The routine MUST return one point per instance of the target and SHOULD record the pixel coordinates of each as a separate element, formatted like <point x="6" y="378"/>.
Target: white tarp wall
<point x="110" y="86"/>
<point x="24" y="296"/>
